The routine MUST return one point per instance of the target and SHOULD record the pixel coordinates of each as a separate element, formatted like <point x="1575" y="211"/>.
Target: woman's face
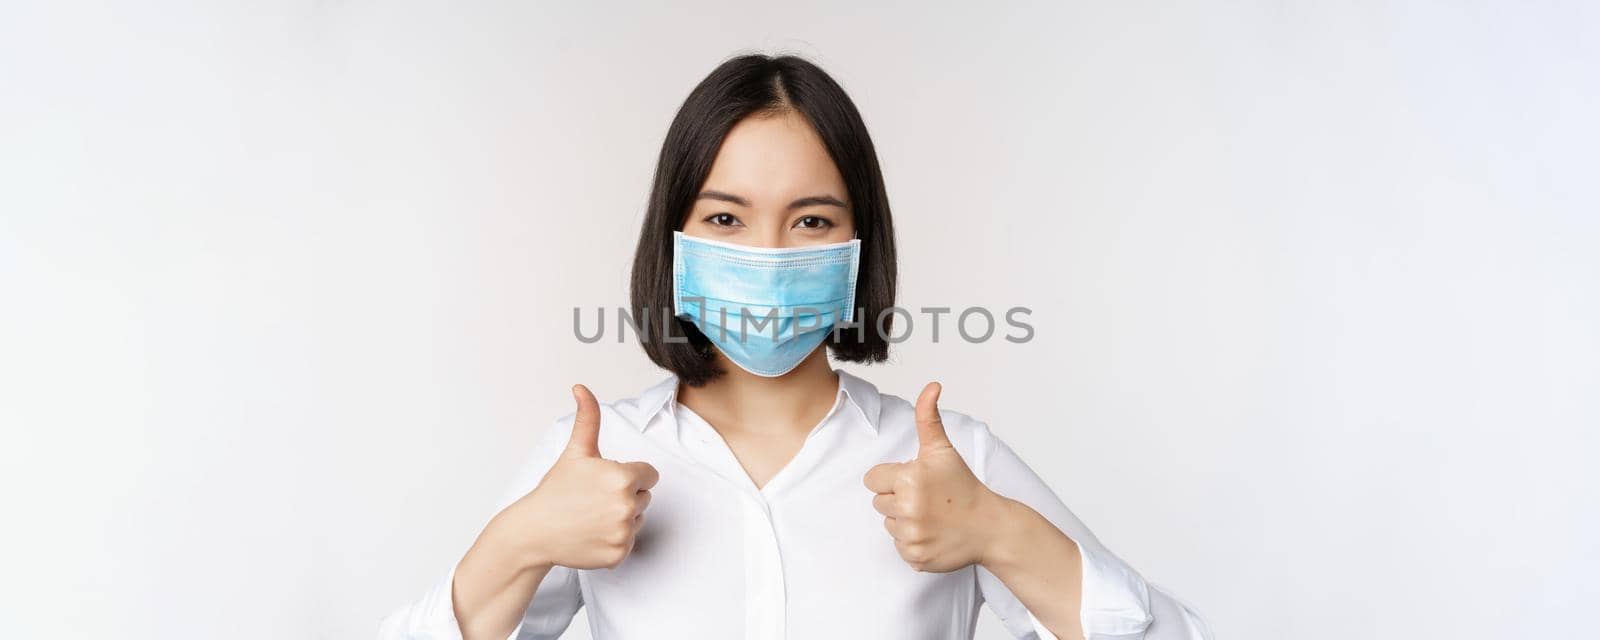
<point x="772" y="185"/>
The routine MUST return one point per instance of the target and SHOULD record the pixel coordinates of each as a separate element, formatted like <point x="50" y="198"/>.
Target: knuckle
<point x="614" y="558"/>
<point x="912" y="532"/>
<point x="915" y="558"/>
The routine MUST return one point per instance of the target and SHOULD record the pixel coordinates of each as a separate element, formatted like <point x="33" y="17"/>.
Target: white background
<point x="286" y="289"/>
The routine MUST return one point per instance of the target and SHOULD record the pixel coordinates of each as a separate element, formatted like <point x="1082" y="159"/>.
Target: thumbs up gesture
<point x="936" y="510"/>
<point x="586" y="511"/>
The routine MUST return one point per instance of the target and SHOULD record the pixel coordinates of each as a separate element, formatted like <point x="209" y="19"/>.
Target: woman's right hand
<point x="586" y="511"/>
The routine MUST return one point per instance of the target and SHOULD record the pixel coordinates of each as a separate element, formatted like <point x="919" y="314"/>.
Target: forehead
<point x="773" y="157"/>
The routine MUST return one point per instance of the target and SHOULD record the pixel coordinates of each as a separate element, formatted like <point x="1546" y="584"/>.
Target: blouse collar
<point x="663" y="396"/>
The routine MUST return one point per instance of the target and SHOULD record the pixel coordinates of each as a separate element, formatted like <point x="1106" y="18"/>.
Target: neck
<point x="740" y="400"/>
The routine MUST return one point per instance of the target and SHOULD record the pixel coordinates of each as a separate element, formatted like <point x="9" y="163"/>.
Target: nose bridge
<point x="769" y="233"/>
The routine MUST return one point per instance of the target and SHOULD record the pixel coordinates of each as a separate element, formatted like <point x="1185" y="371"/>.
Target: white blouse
<point x="804" y="556"/>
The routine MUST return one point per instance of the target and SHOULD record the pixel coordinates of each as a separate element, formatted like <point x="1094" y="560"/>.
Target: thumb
<point x="930" y="430"/>
<point x="585" y="442"/>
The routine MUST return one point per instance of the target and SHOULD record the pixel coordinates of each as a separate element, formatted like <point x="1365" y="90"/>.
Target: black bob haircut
<point x="759" y="85"/>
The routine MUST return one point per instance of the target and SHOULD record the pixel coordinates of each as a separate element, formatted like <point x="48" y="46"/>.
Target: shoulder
<point x="970" y="435"/>
<point x="898" y="415"/>
<point x="636" y="410"/>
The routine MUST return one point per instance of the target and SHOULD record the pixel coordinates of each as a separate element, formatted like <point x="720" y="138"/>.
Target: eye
<point x="813" y="222"/>
<point x="722" y="220"/>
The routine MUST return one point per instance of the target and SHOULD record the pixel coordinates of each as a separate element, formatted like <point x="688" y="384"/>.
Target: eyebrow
<point x="808" y="201"/>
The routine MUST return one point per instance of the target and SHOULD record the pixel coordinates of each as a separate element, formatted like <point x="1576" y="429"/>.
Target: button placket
<point x="765" y="604"/>
<point x="764" y="584"/>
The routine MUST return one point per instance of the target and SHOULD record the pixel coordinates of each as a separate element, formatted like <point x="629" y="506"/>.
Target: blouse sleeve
<point x="556" y="601"/>
<point x="1117" y="603"/>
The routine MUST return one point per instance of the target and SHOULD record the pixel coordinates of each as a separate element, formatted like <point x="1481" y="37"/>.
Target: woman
<point x="757" y="492"/>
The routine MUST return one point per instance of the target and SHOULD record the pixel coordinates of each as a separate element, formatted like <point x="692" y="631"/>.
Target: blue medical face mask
<point x="765" y="309"/>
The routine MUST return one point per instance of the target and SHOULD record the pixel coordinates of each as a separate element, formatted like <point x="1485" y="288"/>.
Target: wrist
<point x="513" y="546"/>
<point x="1008" y="529"/>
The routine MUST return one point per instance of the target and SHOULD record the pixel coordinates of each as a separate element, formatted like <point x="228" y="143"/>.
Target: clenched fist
<point x="940" y="516"/>
<point x="586" y="511"/>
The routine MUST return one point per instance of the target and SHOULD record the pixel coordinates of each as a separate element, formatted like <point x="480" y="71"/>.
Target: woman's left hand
<point x="941" y="517"/>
